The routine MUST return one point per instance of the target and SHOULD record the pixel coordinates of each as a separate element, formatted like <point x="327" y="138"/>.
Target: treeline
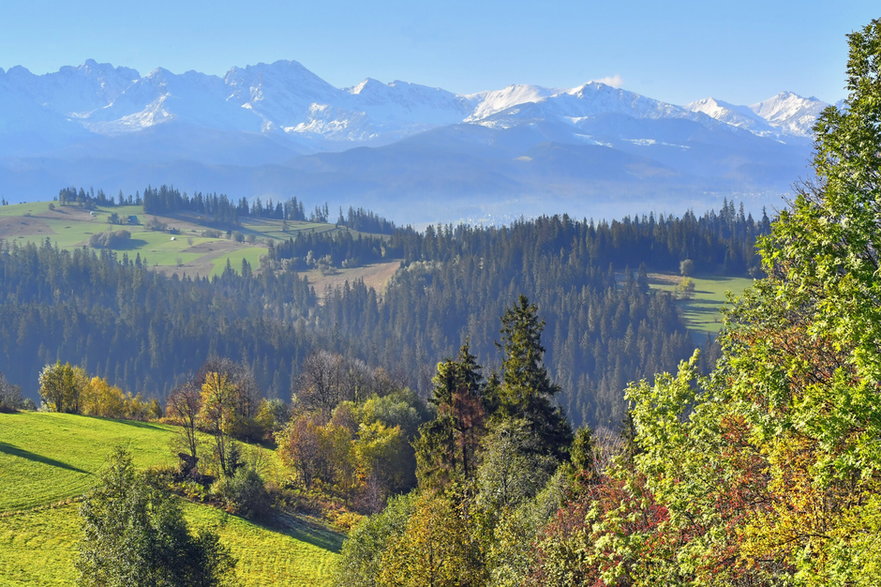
<point x="224" y="210"/>
<point x="366" y="221"/>
<point x="69" y="196"/>
<point x="340" y="249"/>
<point x="717" y="242"/>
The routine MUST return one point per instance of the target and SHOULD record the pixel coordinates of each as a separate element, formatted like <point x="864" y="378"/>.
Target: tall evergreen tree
<point x="526" y="390"/>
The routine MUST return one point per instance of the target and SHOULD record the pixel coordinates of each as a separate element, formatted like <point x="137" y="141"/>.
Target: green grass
<point x="186" y="252"/>
<point x="53" y="457"/>
<point x="38" y="547"/>
<point x="251" y="254"/>
<point x="47" y="461"/>
<point x="22" y="209"/>
<point x="703" y="312"/>
<point x="275" y="554"/>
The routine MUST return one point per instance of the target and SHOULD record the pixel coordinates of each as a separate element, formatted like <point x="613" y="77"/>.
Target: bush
<point x="110" y="240"/>
<point x="135" y="534"/>
<point x="243" y="493"/>
<point x="156" y="224"/>
<point x="192" y="490"/>
<point x="360" y="559"/>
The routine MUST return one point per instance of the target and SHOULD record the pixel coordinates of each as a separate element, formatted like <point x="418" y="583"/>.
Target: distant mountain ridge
<point x="274" y="129"/>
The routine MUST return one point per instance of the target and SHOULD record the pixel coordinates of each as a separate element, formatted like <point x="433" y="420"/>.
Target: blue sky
<point x="741" y="52"/>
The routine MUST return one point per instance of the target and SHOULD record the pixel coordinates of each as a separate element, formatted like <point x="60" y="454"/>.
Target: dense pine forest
<point x="146" y="332"/>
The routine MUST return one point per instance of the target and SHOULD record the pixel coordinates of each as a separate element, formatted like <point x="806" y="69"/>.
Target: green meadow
<point x="186" y="251"/>
<point x="48" y="461"/>
<point x="703" y="311"/>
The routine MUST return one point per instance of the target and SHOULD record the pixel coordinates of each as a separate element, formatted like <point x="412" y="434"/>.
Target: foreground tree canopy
<point x="767" y="471"/>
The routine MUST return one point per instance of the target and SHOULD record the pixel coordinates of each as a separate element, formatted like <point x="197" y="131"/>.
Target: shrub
<point x="110" y="240"/>
<point x="243" y="493"/>
<point x="135" y="534"/>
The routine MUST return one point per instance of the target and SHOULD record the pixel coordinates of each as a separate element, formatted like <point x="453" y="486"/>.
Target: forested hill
<point x="604" y="327"/>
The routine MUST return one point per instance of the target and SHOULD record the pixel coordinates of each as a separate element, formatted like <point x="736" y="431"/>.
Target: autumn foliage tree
<point x="446" y="449"/>
<point x="217" y="415"/>
<point x="61" y="386"/>
<point x="183" y="408"/>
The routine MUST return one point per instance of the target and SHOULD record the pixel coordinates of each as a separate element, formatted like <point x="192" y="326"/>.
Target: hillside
<point x="76" y="305"/>
<point x="190" y="245"/>
<point x="48" y="460"/>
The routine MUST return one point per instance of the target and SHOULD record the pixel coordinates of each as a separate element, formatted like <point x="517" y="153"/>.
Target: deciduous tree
<point x="136" y="535"/>
<point x="61" y="386"/>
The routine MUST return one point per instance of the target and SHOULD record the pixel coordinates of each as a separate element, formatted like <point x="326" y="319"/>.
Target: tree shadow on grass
<point x="13" y="450"/>
<point x="305" y="531"/>
<point x="130" y="245"/>
<point x="705" y="309"/>
<point x="135" y="423"/>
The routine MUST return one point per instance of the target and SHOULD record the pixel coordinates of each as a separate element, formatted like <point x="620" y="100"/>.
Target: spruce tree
<point x="526" y="390"/>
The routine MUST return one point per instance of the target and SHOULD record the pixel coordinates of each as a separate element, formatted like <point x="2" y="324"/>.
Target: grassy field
<point x="703" y="312"/>
<point x="53" y="457"/>
<point x="47" y="461"/>
<point x="376" y="276"/>
<point x="184" y="253"/>
<point x="187" y="252"/>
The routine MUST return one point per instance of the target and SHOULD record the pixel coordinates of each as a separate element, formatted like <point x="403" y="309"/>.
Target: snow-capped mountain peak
<point x="279" y="128"/>
<point x="791" y="113"/>
<point x="368" y="85"/>
<point x="738" y="116"/>
<point x="493" y="101"/>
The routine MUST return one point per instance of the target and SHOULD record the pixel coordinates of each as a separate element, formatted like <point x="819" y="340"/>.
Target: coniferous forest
<point x="147" y="332"/>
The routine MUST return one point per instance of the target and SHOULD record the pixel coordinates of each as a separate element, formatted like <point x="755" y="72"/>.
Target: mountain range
<point x="412" y="152"/>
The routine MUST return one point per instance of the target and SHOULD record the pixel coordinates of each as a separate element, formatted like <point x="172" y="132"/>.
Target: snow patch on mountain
<point x="285" y="99"/>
